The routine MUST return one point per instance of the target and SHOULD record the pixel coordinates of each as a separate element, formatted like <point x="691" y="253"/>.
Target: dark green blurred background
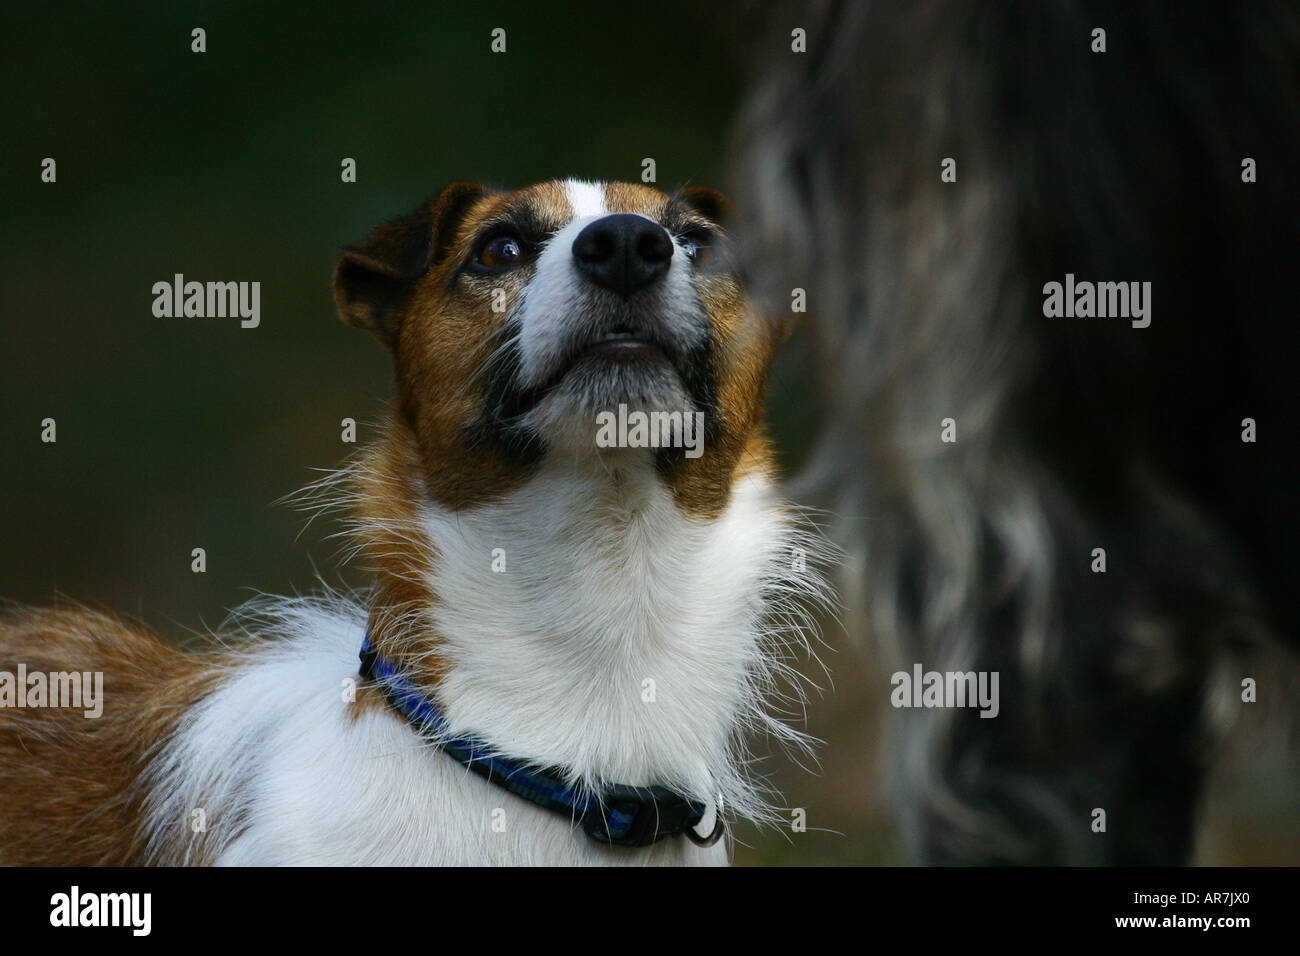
<point x="181" y="433"/>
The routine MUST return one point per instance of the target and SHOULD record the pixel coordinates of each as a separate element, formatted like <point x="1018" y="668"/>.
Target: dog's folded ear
<point x="709" y="203"/>
<point x="375" y="277"/>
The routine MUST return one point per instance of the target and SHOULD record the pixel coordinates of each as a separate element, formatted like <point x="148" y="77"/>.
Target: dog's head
<point x="520" y="322"/>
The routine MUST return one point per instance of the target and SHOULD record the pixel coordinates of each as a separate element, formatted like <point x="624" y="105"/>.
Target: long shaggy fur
<point x="1072" y="434"/>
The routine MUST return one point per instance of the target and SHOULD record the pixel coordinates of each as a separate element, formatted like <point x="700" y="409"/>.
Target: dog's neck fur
<point x="581" y="620"/>
<point x="625" y="640"/>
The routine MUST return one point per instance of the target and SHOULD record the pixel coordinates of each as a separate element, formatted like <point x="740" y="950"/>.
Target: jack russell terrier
<point x="572" y="629"/>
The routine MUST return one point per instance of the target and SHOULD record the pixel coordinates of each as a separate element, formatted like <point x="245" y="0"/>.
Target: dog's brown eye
<point x="501" y="252"/>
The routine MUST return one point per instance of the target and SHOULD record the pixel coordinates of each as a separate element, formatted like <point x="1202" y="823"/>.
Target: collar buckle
<point x="640" y="816"/>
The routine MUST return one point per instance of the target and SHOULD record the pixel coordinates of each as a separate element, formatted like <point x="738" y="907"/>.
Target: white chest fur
<point x="622" y="639"/>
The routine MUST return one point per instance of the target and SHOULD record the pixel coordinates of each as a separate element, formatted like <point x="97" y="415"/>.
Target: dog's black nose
<point x="623" y="252"/>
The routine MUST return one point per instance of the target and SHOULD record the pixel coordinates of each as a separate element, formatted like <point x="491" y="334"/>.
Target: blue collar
<point x="617" y="815"/>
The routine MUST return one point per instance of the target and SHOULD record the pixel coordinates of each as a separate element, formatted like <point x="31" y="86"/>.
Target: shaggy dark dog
<point x="926" y="302"/>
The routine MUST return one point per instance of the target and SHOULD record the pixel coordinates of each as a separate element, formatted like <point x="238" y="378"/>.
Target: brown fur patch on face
<point x="634" y="197"/>
<point x="69" y="784"/>
<point x="450" y="333"/>
<point x="743" y="351"/>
